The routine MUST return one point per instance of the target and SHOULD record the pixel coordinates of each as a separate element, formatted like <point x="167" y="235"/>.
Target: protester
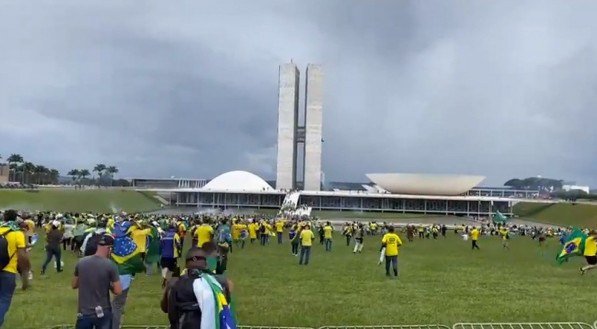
<point x="391" y="242"/>
<point x="359" y="237"/>
<point x="170" y="247"/>
<point x="12" y="242"/>
<point x="327" y="233"/>
<point x="190" y="301"/>
<point x="474" y="238"/>
<point x="53" y="239"/>
<point x="307" y="238"/>
<point x="95" y="276"/>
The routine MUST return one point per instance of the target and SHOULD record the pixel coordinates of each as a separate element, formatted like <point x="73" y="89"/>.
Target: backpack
<point x="92" y="242"/>
<point x="5" y="257"/>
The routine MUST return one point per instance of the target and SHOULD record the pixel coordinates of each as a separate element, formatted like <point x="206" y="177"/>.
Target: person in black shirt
<point x="53" y="239"/>
<point x="179" y="299"/>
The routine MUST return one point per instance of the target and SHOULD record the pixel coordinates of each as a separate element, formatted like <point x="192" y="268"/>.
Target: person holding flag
<point x="579" y="244"/>
<point x="199" y="299"/>
<point x="590" y="252"/>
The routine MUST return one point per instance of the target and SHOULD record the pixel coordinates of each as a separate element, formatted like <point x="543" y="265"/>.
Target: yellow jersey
<point x="15" y="240"/>
<point x="204" y="234"/>
<point x="307" y="237"/>
<point x="475" y="234"/>
<point x="392" y="242"/>
<point x="280" y="226"/>
<point x="140" y="238"/>
<point x="253" y="231"/>
<point x="504" y="233"/>
<point x="327" y="232"/>
<point x="590" y="246"/>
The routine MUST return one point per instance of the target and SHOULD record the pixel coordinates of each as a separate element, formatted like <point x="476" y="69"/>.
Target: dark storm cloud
<point x="502" y="89"/>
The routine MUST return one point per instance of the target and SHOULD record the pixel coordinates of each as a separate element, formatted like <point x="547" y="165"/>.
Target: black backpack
<point x="5" y="257"/>
<point x="92" y="242"/>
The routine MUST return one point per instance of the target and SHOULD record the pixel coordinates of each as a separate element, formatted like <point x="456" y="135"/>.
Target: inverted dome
<point x="238" y="180"/>
<point x="426" y="184"/>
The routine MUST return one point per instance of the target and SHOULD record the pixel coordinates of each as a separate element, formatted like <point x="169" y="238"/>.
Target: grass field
<point x="565" y="214"/>
<point x="441" y="281"/>
<point x="77" y="200"/>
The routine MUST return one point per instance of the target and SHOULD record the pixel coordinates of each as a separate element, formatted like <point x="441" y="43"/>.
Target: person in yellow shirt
<point x="475" y="237"/>
<point x="16" y="259"/>
<point x="505" y="233"/>
<point x="307" y="238"/>
<point x="391" y="242"/>
<point x="327" y="236"/>
<point x="279" y="230"/>
<point x="204" y="233"/>
<point x="590" y="252"/>
<point x="252" y="231"/>
<point x="140" y="236"/>
<point x="242" y="228"/>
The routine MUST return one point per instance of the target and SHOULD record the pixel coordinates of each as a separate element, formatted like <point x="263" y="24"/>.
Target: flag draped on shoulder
<point x="153" y="247"/>
<point x="574" y="245"/>
<point x="216" y="312"/>
<point x="126" y="254"/>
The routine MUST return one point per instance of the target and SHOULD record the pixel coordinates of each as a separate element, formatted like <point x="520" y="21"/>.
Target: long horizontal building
<point x="240" y="189"/>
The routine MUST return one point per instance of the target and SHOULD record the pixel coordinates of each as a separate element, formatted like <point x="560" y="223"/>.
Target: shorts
<point x="591" y="260"/>
<point x="169" y="263"/>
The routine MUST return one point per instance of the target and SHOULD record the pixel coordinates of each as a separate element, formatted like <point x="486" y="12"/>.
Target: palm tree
<point x="74" y="174"/>
<point x="41" y="173"/>
<point x="13" y="161"/>
<point x="83" y="173"/>
<point x="27" y="168"/>
<point x="99" y="168"/>
<point x="54" y="176"/>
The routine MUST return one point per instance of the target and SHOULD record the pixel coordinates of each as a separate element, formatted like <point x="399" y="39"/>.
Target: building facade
<point x="292" y="135"/>
<point x="288" y="102"/>
<point x="313" y="127"/>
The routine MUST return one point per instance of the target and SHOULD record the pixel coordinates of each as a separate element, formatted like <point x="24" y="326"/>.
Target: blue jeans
<point x="52" y="252"/>
<point x="305" y="253"/>
<point x="7" y="288"/>
<point x="328" y="244"/>
<point x="91" y="321"/>
<point x="279" y="237"/>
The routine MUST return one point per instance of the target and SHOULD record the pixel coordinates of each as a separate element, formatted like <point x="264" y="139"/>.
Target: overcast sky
<point x="503" y="89"/>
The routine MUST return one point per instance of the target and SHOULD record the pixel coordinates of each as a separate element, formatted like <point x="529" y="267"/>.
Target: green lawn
<point x="566" y="214"/>
<point x="441" y="281"/>
<point x="107" y="200"/>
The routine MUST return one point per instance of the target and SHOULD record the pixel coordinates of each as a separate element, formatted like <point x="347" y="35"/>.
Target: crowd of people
<point x="113" y="248"/>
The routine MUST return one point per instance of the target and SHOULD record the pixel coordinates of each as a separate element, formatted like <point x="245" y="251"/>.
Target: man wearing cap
<point x="53" y="239"/>
<point x="95" y="276"/>
<point x="180" y="298"/>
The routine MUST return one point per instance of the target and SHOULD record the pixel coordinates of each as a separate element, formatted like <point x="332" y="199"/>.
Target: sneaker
<point x="582" y="271"/>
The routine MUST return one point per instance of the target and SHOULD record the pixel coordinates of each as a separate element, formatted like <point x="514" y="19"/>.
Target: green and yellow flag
<point x="574" y="245"/>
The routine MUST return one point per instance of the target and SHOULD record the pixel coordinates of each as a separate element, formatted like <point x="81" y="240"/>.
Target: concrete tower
<point x="313" y="127"/>
<point x="288" y="96"/>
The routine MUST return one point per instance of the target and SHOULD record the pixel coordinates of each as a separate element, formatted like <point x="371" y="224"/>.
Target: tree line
<point x="27" y="173"/>
<point x="102" y="176"/>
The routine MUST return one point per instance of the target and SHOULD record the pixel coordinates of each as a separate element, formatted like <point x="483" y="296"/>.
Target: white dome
<point x="239" y="181"/>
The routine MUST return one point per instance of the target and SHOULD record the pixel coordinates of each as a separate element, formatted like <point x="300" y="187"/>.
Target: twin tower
<point x="291" y="133"/>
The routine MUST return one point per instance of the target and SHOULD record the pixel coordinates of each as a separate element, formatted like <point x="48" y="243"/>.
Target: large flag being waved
<point x="126" y="254"/>
<point x="574" y="246"/>
<point x="499" y="218"/>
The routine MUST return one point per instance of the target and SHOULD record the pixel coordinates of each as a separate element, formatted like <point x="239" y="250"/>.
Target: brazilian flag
<point x="125" y="253"/>
<point x="574" y="245"/>
<point x="153" y="247"/>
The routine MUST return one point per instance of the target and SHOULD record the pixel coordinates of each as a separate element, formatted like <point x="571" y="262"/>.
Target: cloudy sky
<point x="503" y="89"/>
